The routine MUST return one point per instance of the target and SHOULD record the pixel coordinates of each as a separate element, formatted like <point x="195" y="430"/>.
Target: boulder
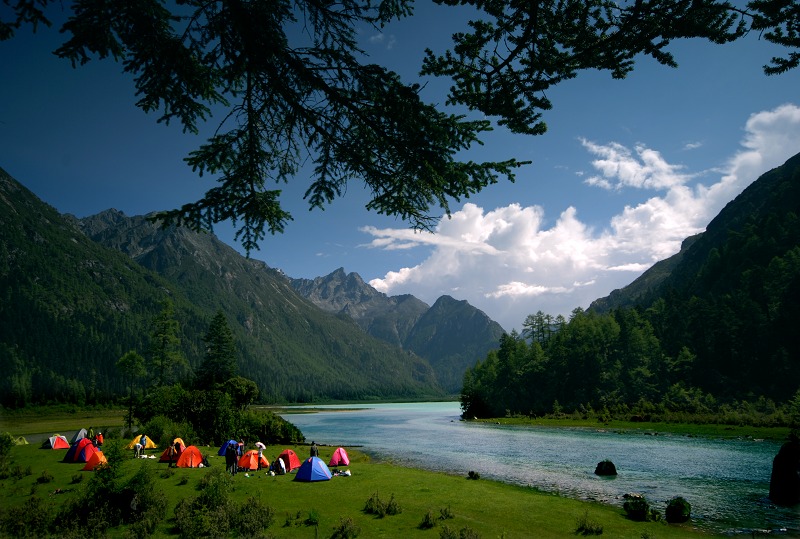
<point x="784" y="484"/>
<point x="605" y="467"/>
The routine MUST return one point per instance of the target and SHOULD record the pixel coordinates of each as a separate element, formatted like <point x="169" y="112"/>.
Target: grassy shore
<point x="490" y="509"/>
<point x="709" y="430"/>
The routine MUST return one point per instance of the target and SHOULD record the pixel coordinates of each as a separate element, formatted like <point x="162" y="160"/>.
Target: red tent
<point x="339" y="458"/>
<point x="190" y="458"/>
<point x="250" y="461"/>
<point x="56" y="441"/>
<point x="289" y="459"/>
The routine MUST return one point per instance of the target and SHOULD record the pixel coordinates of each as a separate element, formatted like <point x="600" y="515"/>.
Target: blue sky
<point x="627" y="170"/>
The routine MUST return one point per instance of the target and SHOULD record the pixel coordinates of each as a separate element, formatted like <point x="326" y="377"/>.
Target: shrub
<point x="46" y="477"/>
<point x="253" y="518"/>
<point x="31" y="519"/>
<point x="428" y="521"/>
<point x="313" y="518"/>
<point x="638" y="508"/>
<point x="6" y="443"/>
<point x="464" y="533"/>
<point x="586" y="526"/>
<point x="445" y="513"/>
<point x="678" y="510"/>
<point x="473" y="475"/>
<point x="77" y="478"/>
<point x="346" y="529"/>
<point x="375" y="506"/>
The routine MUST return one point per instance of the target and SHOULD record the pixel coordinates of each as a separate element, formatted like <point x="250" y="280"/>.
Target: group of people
<point x="233" y="451"/>
<point x="97" y="439"/>
<point x="140" y="446"/>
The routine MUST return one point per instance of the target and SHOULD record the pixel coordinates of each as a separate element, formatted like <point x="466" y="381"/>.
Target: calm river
<point x="726" y="481"/>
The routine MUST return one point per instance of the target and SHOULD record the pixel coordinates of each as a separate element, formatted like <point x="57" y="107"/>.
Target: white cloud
<point x="507" y="263"/>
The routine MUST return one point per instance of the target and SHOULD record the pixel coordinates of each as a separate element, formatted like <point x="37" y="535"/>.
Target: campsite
<point x="449" y="503"/>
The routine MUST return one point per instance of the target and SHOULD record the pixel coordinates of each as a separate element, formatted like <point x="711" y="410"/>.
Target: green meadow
<point x="425" y="504"/>
<point x="485" y="508"/>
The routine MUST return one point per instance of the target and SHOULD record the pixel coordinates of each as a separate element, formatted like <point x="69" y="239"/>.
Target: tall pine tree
<point x="219" y="365"/>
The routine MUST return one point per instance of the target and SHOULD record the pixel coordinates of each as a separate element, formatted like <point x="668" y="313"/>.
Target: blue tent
<point x="222" y="448"/>
<point x="313" y="469"/>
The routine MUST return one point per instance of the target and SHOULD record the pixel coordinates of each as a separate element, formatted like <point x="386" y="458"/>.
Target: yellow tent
<point x="150" y="443"/>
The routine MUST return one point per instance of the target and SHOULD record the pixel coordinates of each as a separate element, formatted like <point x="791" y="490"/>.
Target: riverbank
<point x="652" y="428"/>
<point x="481" y="507"/>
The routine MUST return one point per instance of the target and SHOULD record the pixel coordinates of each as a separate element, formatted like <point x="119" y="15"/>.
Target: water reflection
<point x="725" y="481"/>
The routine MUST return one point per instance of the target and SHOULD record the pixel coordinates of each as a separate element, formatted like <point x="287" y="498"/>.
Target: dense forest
<point x="717" y="333"/>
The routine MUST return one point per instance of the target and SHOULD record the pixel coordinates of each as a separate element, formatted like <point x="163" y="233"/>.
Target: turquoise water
<point x="726" y="481"/>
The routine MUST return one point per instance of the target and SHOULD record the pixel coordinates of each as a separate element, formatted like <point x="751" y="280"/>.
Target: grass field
<point x="479" y="508"/>
<point x="304" y="510"/>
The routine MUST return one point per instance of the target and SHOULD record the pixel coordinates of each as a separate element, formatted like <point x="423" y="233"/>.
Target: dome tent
<point x="339" y="458"/>
<point x="289" y="459"/>
<point x="313" y="469"/>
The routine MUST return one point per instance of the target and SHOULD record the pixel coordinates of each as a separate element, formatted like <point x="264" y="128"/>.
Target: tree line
<point x="614" y="365"/>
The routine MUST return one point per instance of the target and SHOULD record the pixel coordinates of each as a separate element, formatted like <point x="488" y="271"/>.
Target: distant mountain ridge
<point x="79" y="293"/>
<point x="451" y="335"/>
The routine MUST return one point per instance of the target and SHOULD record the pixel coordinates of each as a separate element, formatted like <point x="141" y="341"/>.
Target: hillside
<point x="732" y="295"/>
<point x="77" y="294"/>
<point x="708" y="335"/>
<point x="451" y="335"/>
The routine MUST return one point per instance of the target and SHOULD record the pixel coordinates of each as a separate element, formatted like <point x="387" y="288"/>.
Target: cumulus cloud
<point x="509" y="264"/>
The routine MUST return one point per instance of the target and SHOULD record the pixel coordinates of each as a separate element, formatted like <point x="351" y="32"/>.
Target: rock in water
<point x="605" y="467"/>
<point x="784" y="485"/>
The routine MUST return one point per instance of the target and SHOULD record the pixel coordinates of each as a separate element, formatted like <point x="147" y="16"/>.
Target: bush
<point x="637" y="507"/>
<point x="445" y="513"/>
<point x="6" y="443"/>
<point x="376" y="506"/>
<point x="585" y="526"/>
<point x="428" y="521"/>
<point x="678" y="510"/>
<point x="464" y="533"/>
<point x="253" y="518"/>
<point x="30" y="519"/>
<point x="346" y="529"/>
<point x="473" y="475"/>
<point x="46" y="477"/>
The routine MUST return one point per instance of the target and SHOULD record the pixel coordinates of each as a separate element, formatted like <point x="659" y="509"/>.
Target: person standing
<point x="230" y="459"/>
<point x="314" y="449"/>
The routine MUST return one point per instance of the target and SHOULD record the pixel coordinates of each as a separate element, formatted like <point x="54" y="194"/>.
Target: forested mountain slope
<point x="71" y="307"/>
<point x="734" y="297"/>
<point x="451" y="335"/>
<point x="712" y="331"/>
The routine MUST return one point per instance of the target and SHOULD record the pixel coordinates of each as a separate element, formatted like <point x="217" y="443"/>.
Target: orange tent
<point x="250" y="461"/>
<point x="289" y="459"/>
<point x="165" y="455"/>
<point x="190" y="458"/>
<point x="97" y="459"/>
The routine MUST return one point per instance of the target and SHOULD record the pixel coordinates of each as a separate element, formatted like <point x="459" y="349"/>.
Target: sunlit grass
<point x="488" y="508"/>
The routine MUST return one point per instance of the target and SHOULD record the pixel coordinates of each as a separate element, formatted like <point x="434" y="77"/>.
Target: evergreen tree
<point x="166" y="360"/>
<point x="131" y="365"/>
<point x="219" y="364"/>
<point x="297" y="89"/>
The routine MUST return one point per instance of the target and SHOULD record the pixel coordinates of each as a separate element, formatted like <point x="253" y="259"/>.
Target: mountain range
<point x="79" y="293"/>
<point x="76" y="294"/>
